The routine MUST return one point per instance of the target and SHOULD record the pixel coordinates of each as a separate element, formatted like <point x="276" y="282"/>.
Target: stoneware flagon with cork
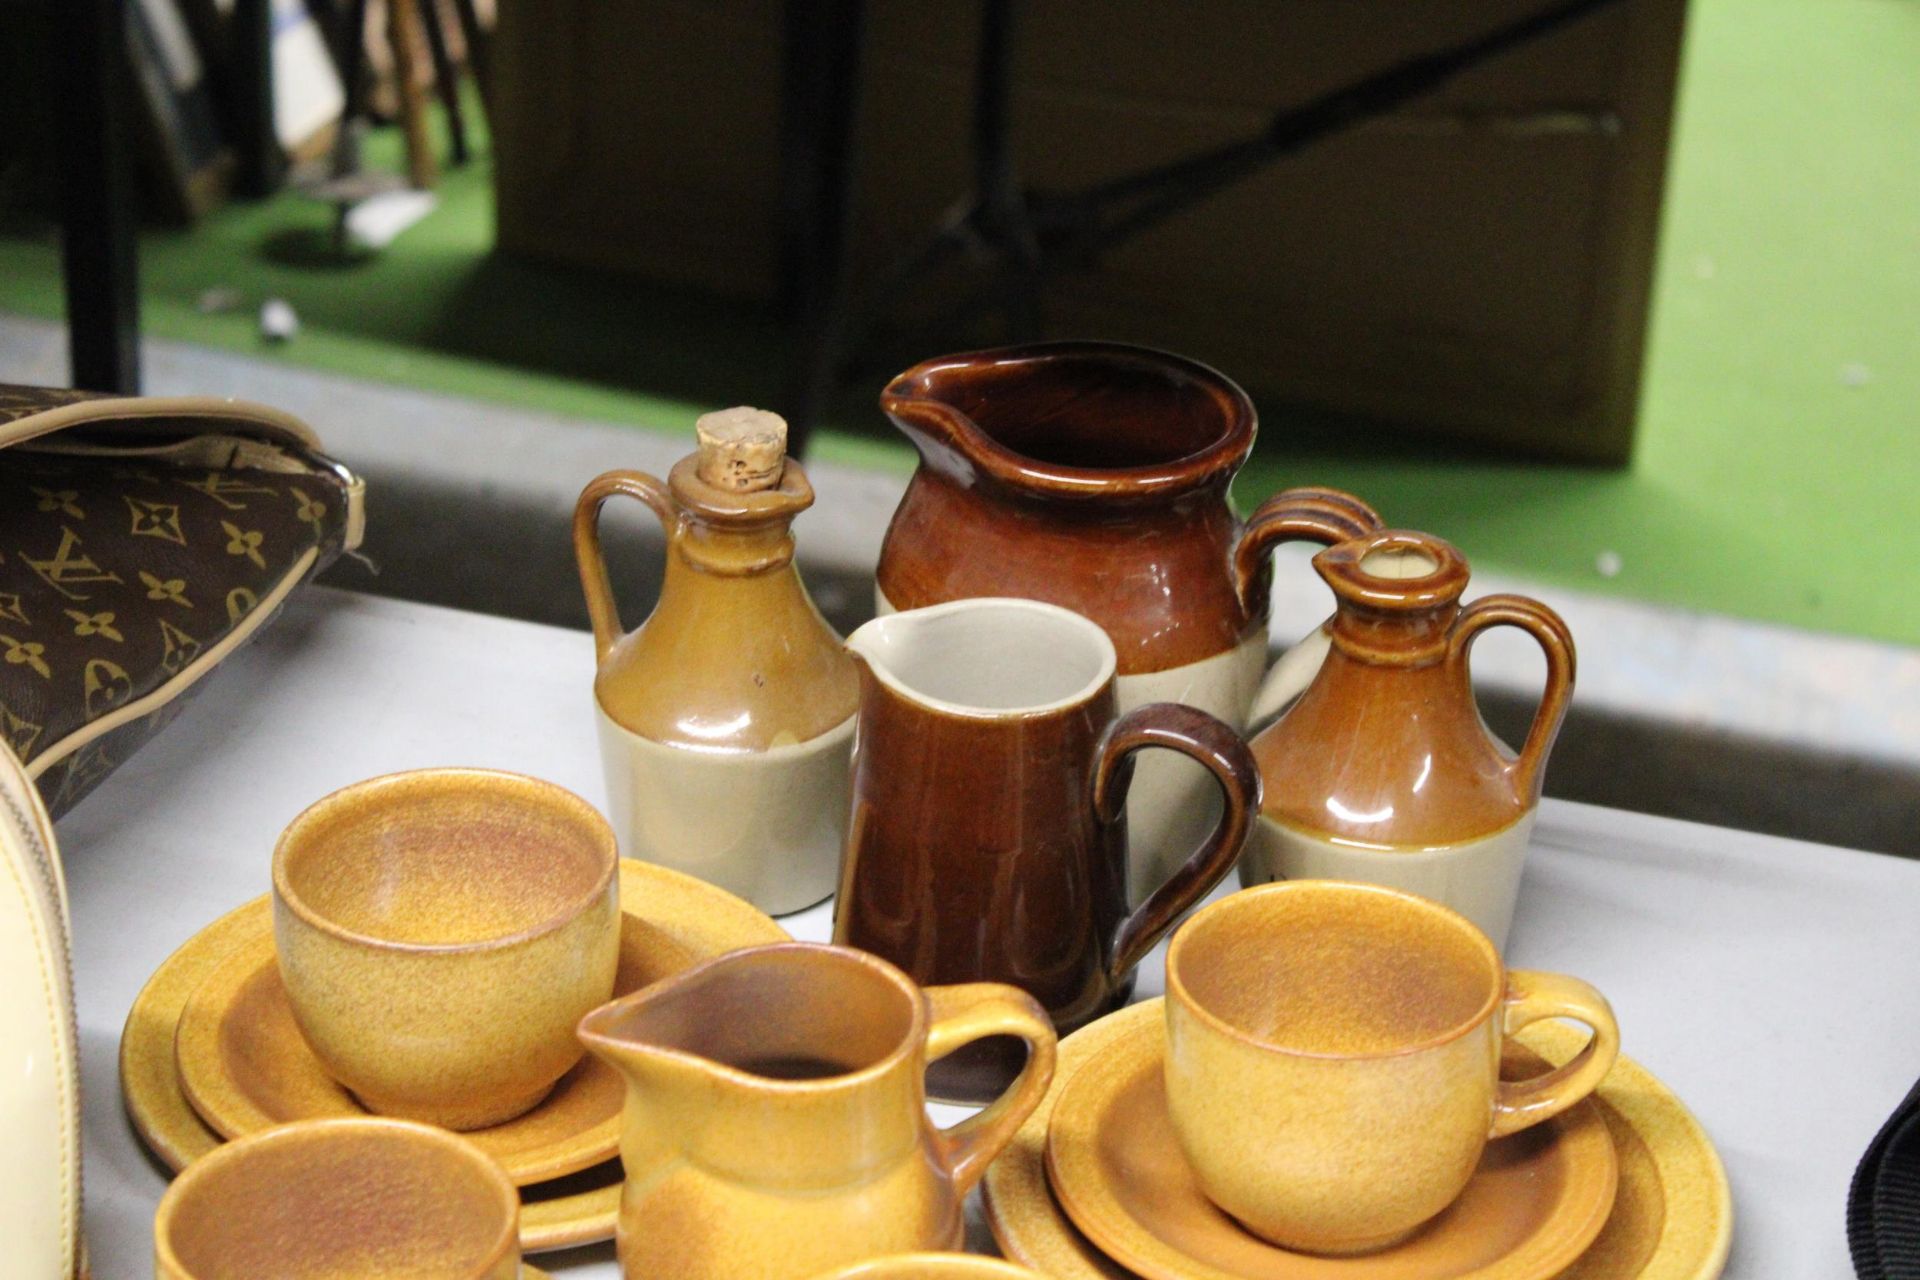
<point x="1383" y="770"/>
<point x="726" y="718"/>
<point x="1094" y="476"/>
<point x="775" y="1120"/>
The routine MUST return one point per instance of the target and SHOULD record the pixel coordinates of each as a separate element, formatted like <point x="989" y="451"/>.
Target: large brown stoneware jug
<point x="726" y="718"/>
<point x="988" y="838"/>
<point x="775" y="1123"/>
<point x="1383" y="771"/>
<point x="1094" y="476"/>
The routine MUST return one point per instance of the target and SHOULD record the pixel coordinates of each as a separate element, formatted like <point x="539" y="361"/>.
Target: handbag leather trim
<point x="34" y="827"/>
<point x="189" y="675"/>
<point x="161" y="413"/>
<point x="255" y="419"/>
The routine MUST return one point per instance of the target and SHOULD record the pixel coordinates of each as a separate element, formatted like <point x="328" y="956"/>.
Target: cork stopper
<point x="742" y="450"/>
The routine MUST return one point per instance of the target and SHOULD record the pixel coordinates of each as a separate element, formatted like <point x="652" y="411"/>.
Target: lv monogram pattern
<point x="118" y="573"/>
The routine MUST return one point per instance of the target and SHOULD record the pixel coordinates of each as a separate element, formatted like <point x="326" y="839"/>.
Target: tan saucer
<point x="687" y="920"/>
<point x="1671" y="1220"/>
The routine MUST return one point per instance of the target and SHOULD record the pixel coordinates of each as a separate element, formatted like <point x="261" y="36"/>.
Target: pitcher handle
<point x="970" y="1011"/>
<point x="601" y="606"/>
<point x="1195" y="734"/>
<point x="1325" y="516"/>
<point x="1556" y="640"/>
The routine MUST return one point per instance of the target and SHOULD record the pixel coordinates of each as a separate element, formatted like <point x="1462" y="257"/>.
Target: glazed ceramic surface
<point x="1672" y="1213"/>
<point x="986" y="841"/>
<point x="1332" y="1055"/>
<point x="245" y="1067"/>
<point x="1533" y="1204"/>
<point x="1382" y="770"/>
<point x="440" y="932"/>
<point x="776" y="1122"/>
<point x="676" y="920"/>
<point x="372" y="1198"/>
<point x="726" y="717"/>
<point x="933" y="1266"/>
<point x="1094" y="476"/>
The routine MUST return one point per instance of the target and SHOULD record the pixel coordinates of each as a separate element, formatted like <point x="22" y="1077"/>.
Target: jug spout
<point x="1074" y="421"/>
<point x="789" y="1065"/>
<point x="990" y="657"/>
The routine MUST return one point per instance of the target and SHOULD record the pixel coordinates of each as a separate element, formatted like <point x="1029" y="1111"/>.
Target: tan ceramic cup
<point x="441" y="933"/>
<point x="1333" y="1055"/>
<point x="367" y="1197"/>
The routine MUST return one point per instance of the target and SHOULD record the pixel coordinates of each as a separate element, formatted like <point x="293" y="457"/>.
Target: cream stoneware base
<point x="1478" y="878"/>
<point x="765" y="826"/>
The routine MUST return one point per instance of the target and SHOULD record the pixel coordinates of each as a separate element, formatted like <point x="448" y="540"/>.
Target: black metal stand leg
<point x="98" y="247"/>
<point x="446" y="78"/>
<point x="256" y="141"/>
<point x="820" y="97"/>
<point x="477" y="51"/>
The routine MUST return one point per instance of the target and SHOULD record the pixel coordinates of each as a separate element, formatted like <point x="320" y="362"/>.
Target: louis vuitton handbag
<point x="142" y="540"/>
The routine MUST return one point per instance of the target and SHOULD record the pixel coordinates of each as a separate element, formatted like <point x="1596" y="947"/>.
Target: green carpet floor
<point x="1778" y="468"/>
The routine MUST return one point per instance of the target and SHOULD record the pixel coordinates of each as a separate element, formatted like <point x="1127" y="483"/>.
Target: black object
<point x="99" y="255"/>
<point x="1883" y="1205"/>
<point x="1023" y="235"/>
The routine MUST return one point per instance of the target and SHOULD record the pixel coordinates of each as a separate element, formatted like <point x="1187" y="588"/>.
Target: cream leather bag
<point x="39" y="1059"/>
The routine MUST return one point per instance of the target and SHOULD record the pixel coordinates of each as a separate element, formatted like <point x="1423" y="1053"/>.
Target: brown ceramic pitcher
<point x="1094" y="476"/>
<point x="1383" y="772"/>
<point x="988" y="836"/>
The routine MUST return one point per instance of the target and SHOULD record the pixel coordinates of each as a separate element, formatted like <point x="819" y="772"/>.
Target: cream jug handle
<point x="1199" y="736"/>
<point x="1325" y="516"/>
<point x="601" y="606"/>
<point x="965" y="1013"/>
<point x="1556" y="640"/>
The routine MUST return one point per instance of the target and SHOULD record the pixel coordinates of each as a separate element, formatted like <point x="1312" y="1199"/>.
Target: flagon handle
<point x="1199" y="736"/>
<point x="1556" y="641"/>
<point x="602" y="608"/>
<point x="972" y="1011"/>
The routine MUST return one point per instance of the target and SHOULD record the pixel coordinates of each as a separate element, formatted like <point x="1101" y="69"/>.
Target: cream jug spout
<point x="990" y="657"/>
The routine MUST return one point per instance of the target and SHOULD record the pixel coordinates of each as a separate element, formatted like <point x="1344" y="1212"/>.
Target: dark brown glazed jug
<point x="988" y="837"/>
<point x="1094" y="476"/>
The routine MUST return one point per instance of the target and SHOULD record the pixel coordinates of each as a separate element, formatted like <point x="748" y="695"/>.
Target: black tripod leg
<point x="446" y="77"/>
<point x="98" y="250"/>
<point x="820" y="96"/>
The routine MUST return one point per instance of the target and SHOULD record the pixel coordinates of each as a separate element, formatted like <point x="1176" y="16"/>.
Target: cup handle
<point x="968" y="1012"/>
<point x="1531" y="997"/>
<point x="1195" y="734"/>
<point x="1556" y="640"/>
<point x="1325" y="516"/>
<point x="601" y="606"/>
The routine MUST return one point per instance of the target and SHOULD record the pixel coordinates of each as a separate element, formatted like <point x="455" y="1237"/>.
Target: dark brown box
<point x="1476" y="263"/>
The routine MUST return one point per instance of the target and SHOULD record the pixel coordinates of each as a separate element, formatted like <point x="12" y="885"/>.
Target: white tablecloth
<point x="1774" y="985"/>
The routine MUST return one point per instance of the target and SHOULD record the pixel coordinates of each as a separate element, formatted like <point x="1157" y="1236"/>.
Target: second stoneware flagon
<point x="988" y="839"/>
<point x="1383" y="771"/>
<point x="1094" y="476"/>
<point x="726" y="717"/>
<point x="776" y="1117"/>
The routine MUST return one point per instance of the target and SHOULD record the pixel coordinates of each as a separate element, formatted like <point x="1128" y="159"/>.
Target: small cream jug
<point x="726" y="718"/>
<point x="775" y="1123"/>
